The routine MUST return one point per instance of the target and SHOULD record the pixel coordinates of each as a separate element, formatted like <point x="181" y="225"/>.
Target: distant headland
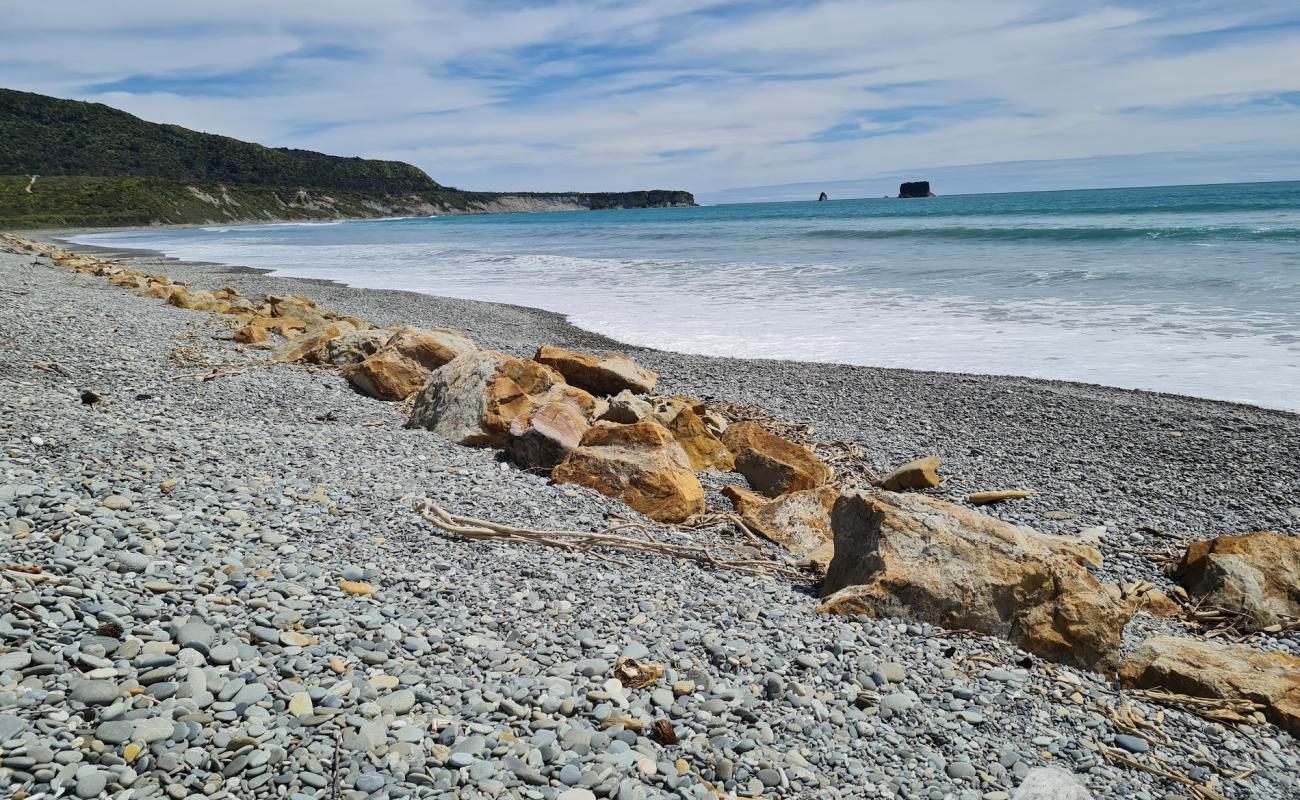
<point x="66" y="163"/>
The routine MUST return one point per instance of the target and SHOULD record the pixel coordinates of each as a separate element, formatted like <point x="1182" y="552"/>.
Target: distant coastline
<point x="66" y="164"/>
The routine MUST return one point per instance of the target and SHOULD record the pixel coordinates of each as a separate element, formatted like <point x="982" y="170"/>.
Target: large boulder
<point x="348" y="349"/>
<point x="315" y="336"/>
<point x="402" y="366"/>
<point x="1222" y="671"/>
<point x="641" y="464"/>
<point x="601" y="375"/>
<point x="545" y="437"/>
<point x="473" y="398"/>
<point x="705" y="451"/>
<point x="915" y="557"/>
<point x="1255" y="575"/>
<point x="799" y="521"/>
<point x="773" y="465"/>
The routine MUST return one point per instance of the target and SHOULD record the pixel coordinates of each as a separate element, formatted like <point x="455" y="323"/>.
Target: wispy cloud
<point x="701" y="94"/>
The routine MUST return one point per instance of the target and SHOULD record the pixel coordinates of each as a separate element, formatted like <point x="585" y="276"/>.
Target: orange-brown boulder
<point x="250" y="334"/>
<point x="926" y="560"/>
<point x="473" y="398"/>
<point x="601" y="375"/>
<point x="919" y="474"/>
<point x="705" y="451"/>
<point x="641" y="464"/>
<point x="1219" y="671"/>
<point x="1256" y="576"/>
<point x="799" y="521"/>
<point x="773" y="465"/>
<point x="401" y="367"/>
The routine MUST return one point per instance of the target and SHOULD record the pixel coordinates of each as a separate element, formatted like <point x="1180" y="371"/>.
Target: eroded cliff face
<point x="514" y="203"/>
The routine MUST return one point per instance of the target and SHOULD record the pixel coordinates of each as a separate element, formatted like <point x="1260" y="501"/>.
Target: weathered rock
<point x="773" y="465"/>
<point x="1050" y="783"/>
<point x="642" y="464"/>
<point x="296" y="307"/>
<point x="924" y="559"/>
<point x="799" y="521"/>
<point x="1147" y="599"/>
<point x="705" y="451"/>
<point x="919" y="474"/>
<point x="1223" y="671"/>
<point x="1256" y="575"/>
<point x="665" y="409"/>
<point x="473" y="398"/>
<point x="626" y="408"/>
<point x="250" y="334"/>
<point x="297" y="347"/>
<point x="545" y="437"/>
<point x="350" y="348"/>
<point x="403" y="365"/>
<point x="602" y="375"/>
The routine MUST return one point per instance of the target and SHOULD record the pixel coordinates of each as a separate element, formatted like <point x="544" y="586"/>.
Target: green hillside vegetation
<point x="100" y="166"/>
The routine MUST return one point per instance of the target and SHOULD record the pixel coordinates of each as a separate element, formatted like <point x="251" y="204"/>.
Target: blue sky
<point x="995" y="95"/>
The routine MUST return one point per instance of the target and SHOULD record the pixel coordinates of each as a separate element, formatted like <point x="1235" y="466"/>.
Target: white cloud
<point x="589" y="95"/>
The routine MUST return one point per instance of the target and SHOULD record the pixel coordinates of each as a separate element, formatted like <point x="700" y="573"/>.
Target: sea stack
<point x="914" y="189"/>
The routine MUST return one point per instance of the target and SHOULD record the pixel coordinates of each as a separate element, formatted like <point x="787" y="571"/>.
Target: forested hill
<point x="98" y="165"/>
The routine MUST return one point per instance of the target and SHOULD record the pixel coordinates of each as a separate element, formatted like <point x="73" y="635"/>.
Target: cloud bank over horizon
<point x="704" y="94"/>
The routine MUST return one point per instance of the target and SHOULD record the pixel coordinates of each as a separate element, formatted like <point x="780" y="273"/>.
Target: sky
<point x="734" y="101"/>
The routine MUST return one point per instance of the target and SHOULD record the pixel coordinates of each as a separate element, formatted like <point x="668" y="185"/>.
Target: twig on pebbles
<point x="52" y="366"/>
<point x="1199" y="791"/>
<point x="212" y="375"/>
<point x="338" y="742"/>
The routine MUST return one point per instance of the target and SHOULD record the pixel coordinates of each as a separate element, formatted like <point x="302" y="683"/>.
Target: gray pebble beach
<point x="187" y="636"/>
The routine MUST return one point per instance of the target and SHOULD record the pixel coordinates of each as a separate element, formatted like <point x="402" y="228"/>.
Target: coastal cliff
<point x="70" y="163"/>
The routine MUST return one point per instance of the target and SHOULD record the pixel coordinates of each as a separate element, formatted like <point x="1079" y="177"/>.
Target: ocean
<point x="1188" y="289"/>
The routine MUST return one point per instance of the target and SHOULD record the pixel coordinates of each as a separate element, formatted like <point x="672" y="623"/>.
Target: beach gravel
<point x="189" y="632"/>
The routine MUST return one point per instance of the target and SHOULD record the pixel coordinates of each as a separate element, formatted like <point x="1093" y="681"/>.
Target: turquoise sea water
<point x="1193" y="289"/>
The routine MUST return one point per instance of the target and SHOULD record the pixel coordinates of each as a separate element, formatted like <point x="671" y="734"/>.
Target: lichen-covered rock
<point x="297" y="347"/>
<point x="473" y="398"/>
<point x="1222" y="671"/>
<point x="923" y="473"/>
<point x="1255" y="575"/>
<point x="641" y="464"/>
<point x="348" y="349"/>
<point x="915" y="557"/>
<point x="403" y="364"/>
<point x="772" y="465"/>
<point x="626" y="408"/>
<point x="799" y="521"/>
<point x="601" y="375"/>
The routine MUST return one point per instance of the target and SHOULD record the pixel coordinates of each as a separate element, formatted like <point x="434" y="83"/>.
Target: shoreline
<point x="155" y="256"/>
<point x="1047" y="430"/>
<point x="286" y="622"/>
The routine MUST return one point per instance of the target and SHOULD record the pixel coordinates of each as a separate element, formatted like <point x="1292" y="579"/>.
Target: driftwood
<point x="616" y="537"/>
